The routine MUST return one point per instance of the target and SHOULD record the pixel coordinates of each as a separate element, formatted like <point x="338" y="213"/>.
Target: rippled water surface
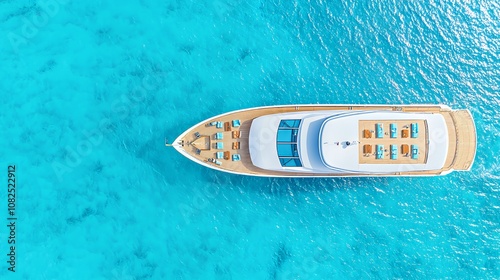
<point x="90" y="89"/>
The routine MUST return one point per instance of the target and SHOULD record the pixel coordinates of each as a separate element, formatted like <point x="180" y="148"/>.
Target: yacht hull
<point x="200" y="144"/>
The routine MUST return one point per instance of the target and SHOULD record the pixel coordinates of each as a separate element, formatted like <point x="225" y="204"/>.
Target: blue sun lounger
<point x="236" y="157"/>
<point x="236" y="123"/>
<point x="218" y="124"/>
<point x="380" y="152"/>
<point x="379" y="130"/>
<point x="414" y="130"/>
<point x="219" y="145"/>
<point x="394" y="152"/>
<point x="394" y="130"/>
<point x="219" y="136"/>
<point x="414" y="151"/>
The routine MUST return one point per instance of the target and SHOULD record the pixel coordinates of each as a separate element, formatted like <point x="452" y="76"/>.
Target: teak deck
<point x="461" y="134"/>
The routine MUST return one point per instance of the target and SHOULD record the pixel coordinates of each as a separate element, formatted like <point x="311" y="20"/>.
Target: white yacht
<point x="334" y="141"/>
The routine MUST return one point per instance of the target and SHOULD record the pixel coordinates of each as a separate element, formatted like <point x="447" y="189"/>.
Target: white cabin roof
<point x="343" y="128"/>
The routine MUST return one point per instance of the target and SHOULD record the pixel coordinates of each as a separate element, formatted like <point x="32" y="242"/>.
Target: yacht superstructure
<point x="334" y="140"/>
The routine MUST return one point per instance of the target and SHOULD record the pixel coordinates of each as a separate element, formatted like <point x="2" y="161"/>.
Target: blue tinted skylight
<point x="286" y="143"/>
<point x="289" y="123"/>
<point x="287" y="150"/>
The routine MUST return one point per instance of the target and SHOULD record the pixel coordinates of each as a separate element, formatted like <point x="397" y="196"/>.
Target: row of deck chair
<point x="220" y="145"/>
<point x="393" y="151"/>
<point x="226" y="125"/>
<point x="226" y="155"/>
<point x="220" y="135"/>
<point x="393" y="133"/>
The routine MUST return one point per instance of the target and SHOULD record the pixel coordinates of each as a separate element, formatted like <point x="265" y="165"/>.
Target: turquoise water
<point x="90" y="89"/>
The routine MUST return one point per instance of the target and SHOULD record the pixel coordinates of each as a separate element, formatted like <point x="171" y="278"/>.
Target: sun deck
<point x="200" y="144"/>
